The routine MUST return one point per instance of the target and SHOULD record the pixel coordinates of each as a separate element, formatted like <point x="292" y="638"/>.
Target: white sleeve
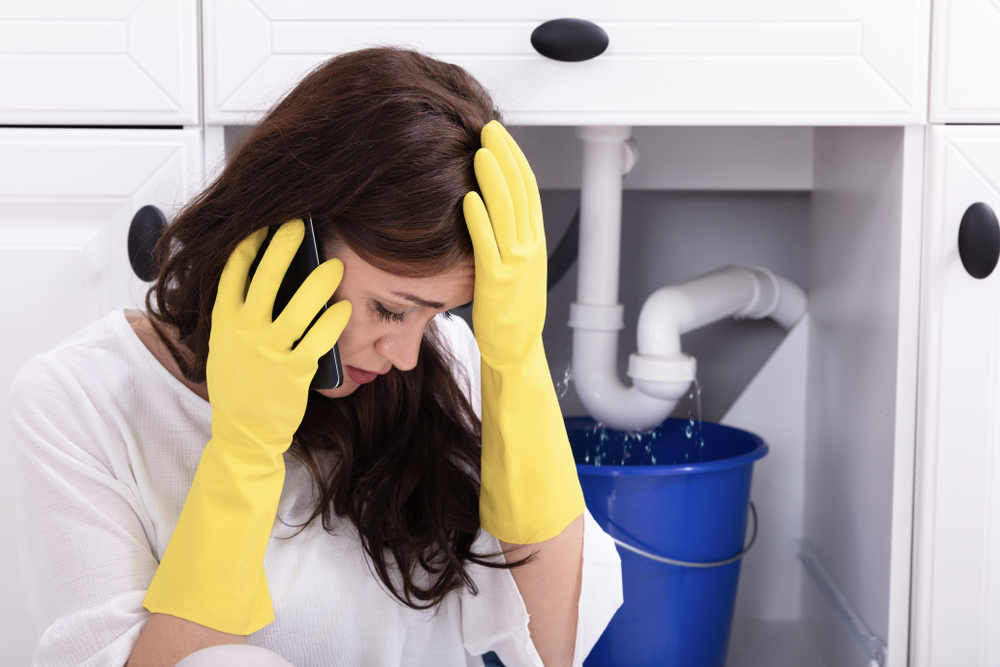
<point x="85" y="558"/>
<point x="497" y="620"/>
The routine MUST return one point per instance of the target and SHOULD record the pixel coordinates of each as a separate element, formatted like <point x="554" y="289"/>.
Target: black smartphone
<point x="330" y="373"/>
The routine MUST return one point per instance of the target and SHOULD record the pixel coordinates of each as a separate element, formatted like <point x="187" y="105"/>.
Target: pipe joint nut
<point x="596" y="318"/>
<point x="665" y="378"/>
<point x="766" y="295"/>
<point x="679" y="368"/>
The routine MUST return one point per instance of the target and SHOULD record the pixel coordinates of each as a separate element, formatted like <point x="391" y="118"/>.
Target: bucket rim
<point x="747" y="458"/>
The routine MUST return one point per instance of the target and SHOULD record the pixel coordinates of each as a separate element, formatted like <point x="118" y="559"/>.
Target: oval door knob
<point x="147" y="226"/>
<point x="569" y="40"/>
<point x="979" y="240"/>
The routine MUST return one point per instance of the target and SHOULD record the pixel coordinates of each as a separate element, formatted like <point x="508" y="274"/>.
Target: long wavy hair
<point x="378" y="146"/>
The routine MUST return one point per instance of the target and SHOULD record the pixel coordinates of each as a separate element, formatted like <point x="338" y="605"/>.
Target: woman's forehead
<point x="433" y="290"/>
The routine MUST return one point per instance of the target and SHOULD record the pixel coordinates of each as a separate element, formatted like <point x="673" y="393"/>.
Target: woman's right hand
<point x="257" y="384"/>
<point x="212" y="572"/>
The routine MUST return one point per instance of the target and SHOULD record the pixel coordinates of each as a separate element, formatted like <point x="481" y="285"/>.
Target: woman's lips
<point x="360" y="376"/>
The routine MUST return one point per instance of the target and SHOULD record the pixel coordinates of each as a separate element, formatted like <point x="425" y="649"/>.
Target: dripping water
<point x="614" y="448"/>
<point x="689" y="408"/>
<point x="563" y="385"/>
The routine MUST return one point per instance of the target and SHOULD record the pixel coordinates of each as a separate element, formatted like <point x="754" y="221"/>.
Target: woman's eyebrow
<point x="417" y="300"/>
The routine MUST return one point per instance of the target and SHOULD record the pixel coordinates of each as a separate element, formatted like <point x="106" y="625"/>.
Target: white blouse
<point x="106" y="445"/>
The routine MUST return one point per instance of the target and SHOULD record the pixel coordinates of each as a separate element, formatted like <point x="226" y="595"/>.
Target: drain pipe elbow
<point x="660" y="368"/>
<point x="595" y="373"/>
<point x="731" y="291"/>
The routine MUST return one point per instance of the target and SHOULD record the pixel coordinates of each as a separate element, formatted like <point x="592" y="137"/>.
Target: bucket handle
<point x="682" y="563"/>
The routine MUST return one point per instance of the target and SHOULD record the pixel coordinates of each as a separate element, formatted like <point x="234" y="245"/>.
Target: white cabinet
<point x="722" y="62"/>
<point x="66" y="200"/>
<point x="131" y="62"/>
<point x="878" y="406"/>
<point x="957" y="545"/>
<point x="69" y="195"/>
<point x="965" y="64"/>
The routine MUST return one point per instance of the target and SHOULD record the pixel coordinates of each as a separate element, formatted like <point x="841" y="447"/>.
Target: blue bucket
<point x="672" y="494"/>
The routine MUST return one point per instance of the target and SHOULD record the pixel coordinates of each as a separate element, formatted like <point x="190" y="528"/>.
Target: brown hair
<point x="378" y="146"/>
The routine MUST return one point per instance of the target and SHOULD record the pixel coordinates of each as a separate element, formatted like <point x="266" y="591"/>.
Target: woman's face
<point x="388" y="316"/>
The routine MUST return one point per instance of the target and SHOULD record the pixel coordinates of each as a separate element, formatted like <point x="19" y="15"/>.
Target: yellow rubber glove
<point x="530" y="491"/>
<point x="212" y="572"/>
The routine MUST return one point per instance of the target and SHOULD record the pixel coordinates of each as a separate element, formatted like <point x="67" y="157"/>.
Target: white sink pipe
<point x="661" y="373"/>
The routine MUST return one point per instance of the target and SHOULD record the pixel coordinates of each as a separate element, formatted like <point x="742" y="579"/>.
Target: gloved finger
<point x="496" y="143"/>
<point x="271" y="270"/>
<point x="309" y="299"/>
<point x="233" y="281"/>
<point x="326" y="332"/>
<point x="499" y="204"/>
<point x="484" y="244"/>
<point x="530" y="183"/>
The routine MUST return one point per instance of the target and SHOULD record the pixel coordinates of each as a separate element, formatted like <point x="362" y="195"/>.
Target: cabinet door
<point x="965" y="64"/>
<point x="66" y="200"/>
<point x="956" y="590"/>
<point x="716" y="62"/>
<point x="87" y="62"/>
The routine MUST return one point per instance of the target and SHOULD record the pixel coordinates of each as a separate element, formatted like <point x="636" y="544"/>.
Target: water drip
<point x="608" y="447"/>
<point x="564" y="385"/>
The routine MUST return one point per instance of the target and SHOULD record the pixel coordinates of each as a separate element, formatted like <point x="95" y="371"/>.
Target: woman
<point x="168" y="460"/>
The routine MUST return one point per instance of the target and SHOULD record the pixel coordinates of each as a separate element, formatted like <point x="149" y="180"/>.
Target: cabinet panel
<point x="957" y="545"/>
<point x="965" y="65"/>
<point x="66" y="200"/>
<point x="864" y="313"/>
<point x="720" y="62"/>
<point x="76" y="191"/>
<point x="131" y="62"/>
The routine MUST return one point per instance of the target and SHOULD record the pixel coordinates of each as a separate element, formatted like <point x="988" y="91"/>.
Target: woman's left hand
<point x="508" y="310"/>
<point x="529" y="488"/>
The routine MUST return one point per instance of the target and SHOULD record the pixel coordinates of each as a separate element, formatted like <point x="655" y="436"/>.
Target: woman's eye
<point x="387" y="315"/>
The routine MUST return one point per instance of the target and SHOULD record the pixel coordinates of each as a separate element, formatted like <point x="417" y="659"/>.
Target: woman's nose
<point x="401" y="349"/>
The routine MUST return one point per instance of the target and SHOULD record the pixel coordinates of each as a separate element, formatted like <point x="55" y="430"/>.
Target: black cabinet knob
<point x="569" y="40"/>
<point x="147" y="226"/>
<point x="979" y="240"/>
